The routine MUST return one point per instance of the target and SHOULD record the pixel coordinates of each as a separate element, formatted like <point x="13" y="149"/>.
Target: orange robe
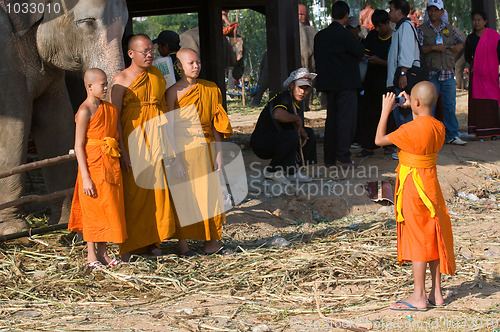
<point x="148" y="212"/>
<point x="207" y="99"/>
<point x="424" y="227"/>
<point x="101" y="219"/>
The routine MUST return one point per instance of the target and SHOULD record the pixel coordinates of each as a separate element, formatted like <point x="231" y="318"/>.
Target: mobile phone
<point x="399" y="100"/>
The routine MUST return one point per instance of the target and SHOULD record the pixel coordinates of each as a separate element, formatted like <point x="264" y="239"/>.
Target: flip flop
<point x="410" y="307"/>
<point x="114" y="262"/>
<point x="96" y="266"/>
<point x="189" y="253"/>
<point x="434" y="305"/>
<point x="223" y="251"/>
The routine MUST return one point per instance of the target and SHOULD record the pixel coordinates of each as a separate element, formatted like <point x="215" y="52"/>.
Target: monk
<point x="138" y="93"/>
<point x="207" y="99"/>
<point x="423" y="223"/>
<point x="97" y="210"/>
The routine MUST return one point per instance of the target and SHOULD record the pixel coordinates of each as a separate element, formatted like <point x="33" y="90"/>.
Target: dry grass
<point x="349" y="263"/>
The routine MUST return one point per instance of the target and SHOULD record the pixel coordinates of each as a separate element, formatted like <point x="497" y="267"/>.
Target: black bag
<point x="414" y="74"/>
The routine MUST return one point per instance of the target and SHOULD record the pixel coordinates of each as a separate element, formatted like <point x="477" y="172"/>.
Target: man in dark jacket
<point x="337" y="55"/>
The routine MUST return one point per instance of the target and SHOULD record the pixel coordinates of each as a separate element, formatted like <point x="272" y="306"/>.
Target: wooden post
<point x="243" y="90"/>
<point x="37" y="198"/>
<point x="38" y="164"/>
<point x="211" y="43"/>
<point x="282" y="41"/>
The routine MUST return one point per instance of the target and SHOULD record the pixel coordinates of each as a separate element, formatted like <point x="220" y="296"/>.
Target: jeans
<point x="449" y="96"/>
<point x="401" y="115"/>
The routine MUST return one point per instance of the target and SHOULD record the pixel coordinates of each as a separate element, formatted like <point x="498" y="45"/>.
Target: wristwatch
<point x="403" y="73"/>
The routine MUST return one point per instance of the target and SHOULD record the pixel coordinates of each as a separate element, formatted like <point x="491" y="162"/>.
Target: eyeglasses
<point x="145" y="53"/>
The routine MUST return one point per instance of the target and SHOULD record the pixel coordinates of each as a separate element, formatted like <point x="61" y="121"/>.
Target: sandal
<point x="96" y="266"/>
<point x="188" y="253"/>
<point x="223" y="251"/>
<point x="114" y="262"/>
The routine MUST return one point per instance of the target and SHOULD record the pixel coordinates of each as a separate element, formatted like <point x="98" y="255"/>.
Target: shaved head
<point x="185" y="53"/>
<point x="426" y="93"/>
<point x="92" y="75"/>
<point x="136" y="39"/>
<point x="189" y="62"/>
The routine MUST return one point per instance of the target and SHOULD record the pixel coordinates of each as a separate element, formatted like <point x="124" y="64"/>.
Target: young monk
<point x="207" y="99"/>
<point x="423" y="223"/>
<point x="97" y="209"/>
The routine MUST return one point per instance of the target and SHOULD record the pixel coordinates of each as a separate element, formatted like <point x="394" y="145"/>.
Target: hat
<point x="300" y="77"/>
<point x="436" y="3"/>
<point x="353" y="21"/>
<point x="167" y="37"/>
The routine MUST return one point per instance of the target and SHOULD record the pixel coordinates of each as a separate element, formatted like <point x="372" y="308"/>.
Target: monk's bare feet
<point x="155" y="252"/>
<point x="105" y="259"/>
<point x="211" y="247"/>
<point x="435" y="298"/>
<point x="126" y="257"/>
<point x="418" y="302"/>
<point x="184" y="250"/>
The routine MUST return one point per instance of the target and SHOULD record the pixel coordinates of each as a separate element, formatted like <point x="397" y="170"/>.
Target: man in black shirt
<point x="280" y="133"/>
<point x="337" y="55"/>
<point x="377" y="44"/>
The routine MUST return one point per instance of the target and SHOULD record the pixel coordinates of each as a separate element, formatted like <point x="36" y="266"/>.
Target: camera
<point x="399" y="100"/>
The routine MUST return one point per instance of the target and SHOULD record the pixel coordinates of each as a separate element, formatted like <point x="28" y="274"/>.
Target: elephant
<point x="306" y="33"/>
<point x="37" y="48"/>
<point x="233" y="50"/>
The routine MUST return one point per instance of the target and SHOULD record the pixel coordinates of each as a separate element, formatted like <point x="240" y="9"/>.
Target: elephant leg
<point x="15" y="115"/>
<point x="53" y="130"/>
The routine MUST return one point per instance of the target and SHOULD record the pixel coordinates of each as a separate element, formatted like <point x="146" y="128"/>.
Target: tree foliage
<point x="153" y="25"/>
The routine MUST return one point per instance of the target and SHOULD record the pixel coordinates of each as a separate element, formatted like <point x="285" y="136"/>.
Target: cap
<point x="300" y="77"/>
<point x="303" y="81"/>
<point x="353" y="21"/>
<point x="167" y="37"/>
<point x="436" y="3"/>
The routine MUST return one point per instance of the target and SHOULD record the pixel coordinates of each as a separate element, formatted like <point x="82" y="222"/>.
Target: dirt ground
<point x="334" y="267"/>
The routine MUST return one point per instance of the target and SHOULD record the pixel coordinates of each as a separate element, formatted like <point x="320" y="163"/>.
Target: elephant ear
<point x="23" y="15"/>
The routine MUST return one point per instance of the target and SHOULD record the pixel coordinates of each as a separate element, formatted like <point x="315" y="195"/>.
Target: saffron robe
<point x="207" y="99"/>
<point x="149" y="212"/>
<point x="101" y="219"/>
<point x="423" y="223"/>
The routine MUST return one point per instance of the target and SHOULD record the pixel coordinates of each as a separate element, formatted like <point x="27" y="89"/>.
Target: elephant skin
<point x="233" y="49"/>
<point x="36" y="50"/>
<point x="306" y="33"/>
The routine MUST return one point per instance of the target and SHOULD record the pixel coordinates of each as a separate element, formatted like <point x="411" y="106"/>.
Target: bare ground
<point x="340" y="262"/>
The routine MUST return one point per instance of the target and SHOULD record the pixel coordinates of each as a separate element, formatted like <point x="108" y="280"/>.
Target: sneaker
<point x="346" y="164"/>
<point x="364" y="153"/>
<point x="355" y="146"/>
<point x="456" y="141"/>
<point x="395" y="156"/>
<point x="276" y="176"/>
<point x="298" y="176"/>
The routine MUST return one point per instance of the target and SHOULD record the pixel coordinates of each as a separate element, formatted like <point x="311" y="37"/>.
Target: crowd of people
<point x="392" y="105"/>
